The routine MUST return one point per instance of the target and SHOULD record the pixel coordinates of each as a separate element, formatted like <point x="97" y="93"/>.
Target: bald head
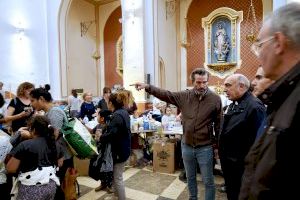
<point x="236" y="86"/>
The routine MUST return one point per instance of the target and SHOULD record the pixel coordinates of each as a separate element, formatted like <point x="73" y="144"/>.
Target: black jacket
<point x="119" y="135"/>
<point x="241" y="123"/>
<point x="271" y="165"/>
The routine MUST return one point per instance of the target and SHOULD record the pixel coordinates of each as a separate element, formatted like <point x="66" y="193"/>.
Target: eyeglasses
<point x="256" y="46"/>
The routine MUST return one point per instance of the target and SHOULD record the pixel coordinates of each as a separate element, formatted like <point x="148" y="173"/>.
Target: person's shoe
<point x="101" y="187"/>
<point x="182" y="177"/>
<point x="222" y="189"/>
<point x="109" y="190"/>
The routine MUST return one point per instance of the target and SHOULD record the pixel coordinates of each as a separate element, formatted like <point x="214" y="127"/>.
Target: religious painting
<point x="222" y="41"/>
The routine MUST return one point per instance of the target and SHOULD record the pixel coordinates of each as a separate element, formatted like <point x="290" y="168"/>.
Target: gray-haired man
<point x="270" y="164"/>
<point x="242" y="120"/>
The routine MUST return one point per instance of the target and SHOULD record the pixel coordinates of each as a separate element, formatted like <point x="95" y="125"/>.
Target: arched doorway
<point x="78" y="62"/>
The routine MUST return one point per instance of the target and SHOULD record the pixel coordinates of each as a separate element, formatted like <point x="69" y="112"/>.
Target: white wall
<point x="81" y="67"/>
<point x="53" y="47"/>
<point x="25" y="59"/>
<point x="167" y="44"/>
<point x="278" y="3"/>
<point x="290" y="1"/>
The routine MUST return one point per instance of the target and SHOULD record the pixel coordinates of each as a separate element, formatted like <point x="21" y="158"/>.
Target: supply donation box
<point x="82" y="166"/>
<point x="163" y="157"/>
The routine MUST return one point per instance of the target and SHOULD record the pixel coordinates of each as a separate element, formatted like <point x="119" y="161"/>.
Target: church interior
<point x="86" y="45"/>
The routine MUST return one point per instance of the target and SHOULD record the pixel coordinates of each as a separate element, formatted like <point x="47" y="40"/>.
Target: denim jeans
<point x="204" y="157"/>
<point x="118" y="180"/>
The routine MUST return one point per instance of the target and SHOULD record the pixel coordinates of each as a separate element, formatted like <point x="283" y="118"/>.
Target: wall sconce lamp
<point x="187" y="37"/>
<point x="131" y="16"/>
<point x="84" y="26"/>
<point x="252" y="34"/>
<point x="20" y="31"/>
<point x="131" y="12"/>
<point x="96" y="55"/>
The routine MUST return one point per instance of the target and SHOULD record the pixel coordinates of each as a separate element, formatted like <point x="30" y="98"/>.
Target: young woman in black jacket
<point x="118" y="134"/>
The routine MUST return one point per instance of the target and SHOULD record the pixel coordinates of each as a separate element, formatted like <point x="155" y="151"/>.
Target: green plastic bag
<point x="79" y="139"/>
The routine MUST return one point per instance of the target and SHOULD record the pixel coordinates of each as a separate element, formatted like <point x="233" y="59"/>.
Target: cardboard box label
<point x="163" y="157"/>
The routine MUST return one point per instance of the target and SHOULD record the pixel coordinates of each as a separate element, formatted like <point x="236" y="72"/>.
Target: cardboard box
<point x="82" y="166"/>
<point x="163" y="157"/>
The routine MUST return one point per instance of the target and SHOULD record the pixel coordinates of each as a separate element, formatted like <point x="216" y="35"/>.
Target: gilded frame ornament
<point x="222" y="41"/>
<point x="119" y="56"/>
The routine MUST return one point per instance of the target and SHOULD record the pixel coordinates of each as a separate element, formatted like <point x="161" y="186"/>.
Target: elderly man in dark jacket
<point x="241" y="123"/>
<point x="270" y="169"/>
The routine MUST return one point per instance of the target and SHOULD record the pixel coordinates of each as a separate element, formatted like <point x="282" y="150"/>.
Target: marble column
<point x="133" y="46"/>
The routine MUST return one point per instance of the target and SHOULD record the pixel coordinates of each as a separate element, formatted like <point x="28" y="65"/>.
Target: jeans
<point x="204" y="157"/>
<point x="118" y="180"/>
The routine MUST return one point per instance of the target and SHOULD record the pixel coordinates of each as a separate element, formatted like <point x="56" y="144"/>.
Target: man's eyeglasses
<point x="256" y="46"/>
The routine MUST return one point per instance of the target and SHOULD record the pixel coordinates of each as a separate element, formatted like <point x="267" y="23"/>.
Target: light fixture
<point x="20" y="31"/>
<point x="251" y="36"/>
<point x="187" y="37"/>
<point x="96" y="55"/>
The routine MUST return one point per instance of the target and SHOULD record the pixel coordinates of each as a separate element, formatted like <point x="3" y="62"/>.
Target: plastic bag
<point x="79" y="139"/>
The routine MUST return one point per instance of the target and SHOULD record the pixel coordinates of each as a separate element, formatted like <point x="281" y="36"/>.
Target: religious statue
<point x="221" y="43"/>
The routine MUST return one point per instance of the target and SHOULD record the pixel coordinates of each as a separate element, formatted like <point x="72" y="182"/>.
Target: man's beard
<point x="201" y="91"/>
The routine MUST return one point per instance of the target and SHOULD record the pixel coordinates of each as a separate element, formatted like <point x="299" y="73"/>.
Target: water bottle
<point x="85" y="119"/>
<point x="146" y="122"/>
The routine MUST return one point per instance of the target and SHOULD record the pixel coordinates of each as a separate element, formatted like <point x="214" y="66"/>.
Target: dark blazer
<point x="271" y="165"/>
<point x="119" y="135"/>
<point x="240" y="126"/>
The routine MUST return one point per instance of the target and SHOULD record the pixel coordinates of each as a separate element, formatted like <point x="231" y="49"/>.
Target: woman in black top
<point x="19" y="104"/>
<point x="119" y="135"/>
<point x="35" y="161"/>
<point x="102" y="104"/>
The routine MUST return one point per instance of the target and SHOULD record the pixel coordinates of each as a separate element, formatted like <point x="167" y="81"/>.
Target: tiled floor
<point x="143" y="184"/>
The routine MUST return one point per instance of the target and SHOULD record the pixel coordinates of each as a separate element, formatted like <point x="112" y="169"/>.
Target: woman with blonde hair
<point x="130" y="105"/>
<point x="87" y="108"/>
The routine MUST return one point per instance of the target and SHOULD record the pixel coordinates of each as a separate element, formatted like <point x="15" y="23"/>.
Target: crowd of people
<point x="36" y="152"/>
<point x="255" y="137"/>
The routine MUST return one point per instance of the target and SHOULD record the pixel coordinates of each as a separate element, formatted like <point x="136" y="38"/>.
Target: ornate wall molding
<point x="119" y="55"/>
<point x="222" y="41"/>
